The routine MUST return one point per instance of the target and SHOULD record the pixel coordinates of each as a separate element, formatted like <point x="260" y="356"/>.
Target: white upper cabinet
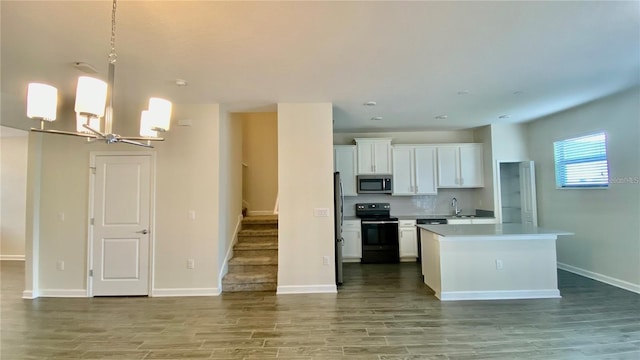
<point x="374" y="156"/>
<point x="414" y="170"/>
<point x="344" y="162"/>
<point x="460" y="166"/>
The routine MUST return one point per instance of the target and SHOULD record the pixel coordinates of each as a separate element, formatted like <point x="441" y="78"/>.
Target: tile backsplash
<point x="418" y="205"/>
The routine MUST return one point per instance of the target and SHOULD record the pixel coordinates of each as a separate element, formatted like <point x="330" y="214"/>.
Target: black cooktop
<point x="375" y="211"/>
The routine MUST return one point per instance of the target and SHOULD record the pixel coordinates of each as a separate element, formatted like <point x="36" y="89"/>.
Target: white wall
<point x="187" y="178"/>
<point x="13" y="192"/>
<point x="607" y="241"/>
<point x="409" y="137"/>
<point x="260" y="153"/>
<point x="305" y="182"/>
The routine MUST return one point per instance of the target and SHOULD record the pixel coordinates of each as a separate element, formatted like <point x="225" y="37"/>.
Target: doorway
<point x="517" y="193"/>
<point x="120" y="223"/>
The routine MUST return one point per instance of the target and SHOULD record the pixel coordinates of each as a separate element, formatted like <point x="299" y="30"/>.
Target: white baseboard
<point x="12" y="257"/>
<point x="29" y="295"/>
<point x="63" y="293"/>
<point x="602" y="278"/>
<point x="498" y="295"/>
<point x="260" y="212"/>
<point x="185" y="292"/>
<point x="306" y="289"/>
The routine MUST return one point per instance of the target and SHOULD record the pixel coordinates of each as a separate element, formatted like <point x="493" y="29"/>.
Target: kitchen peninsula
<point x="490" y="262"/>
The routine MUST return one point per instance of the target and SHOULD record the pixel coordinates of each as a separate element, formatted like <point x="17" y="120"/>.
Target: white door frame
<point x="497" y="198"/>
<point x="152" y="212"/>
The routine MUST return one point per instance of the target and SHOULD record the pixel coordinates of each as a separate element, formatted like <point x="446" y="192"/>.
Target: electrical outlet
<point x="60" y="265"/>
<point x="498" y="264"/>
<point x="325" y="260"/>
<point x="191" y="263"/>
<point x="61" y="216"/>
<point x="321" y="212"/>
<point x="192" y="215"/>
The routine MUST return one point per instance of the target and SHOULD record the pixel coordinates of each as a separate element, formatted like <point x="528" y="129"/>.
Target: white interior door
<point x="121" y="219"/>
<point x="529" y="209"/>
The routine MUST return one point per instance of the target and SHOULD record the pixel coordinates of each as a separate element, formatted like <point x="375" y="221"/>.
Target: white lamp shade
<point x="160" y="110"/>
<point x="42" y="101"/>
<point x="146" y="125"/>
<point x="93" y="123"/>
<point x="91" y="96"/>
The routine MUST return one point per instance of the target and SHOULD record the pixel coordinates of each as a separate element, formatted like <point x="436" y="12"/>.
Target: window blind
<point x="581" y="162"/>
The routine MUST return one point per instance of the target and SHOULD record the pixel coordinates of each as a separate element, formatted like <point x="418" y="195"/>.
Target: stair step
<point x="260" y="219"/>
<point x="254" y="260"/>
<point x="249" y="278"/>
<point x="260" y="222"/>
<point x="250" y="287"/>
<point x="252" y="268"/>
<point x="258" y="233"/>
<point x="260" y="244"/>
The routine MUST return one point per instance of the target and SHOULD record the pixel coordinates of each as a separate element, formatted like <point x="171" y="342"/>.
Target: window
<point x="582" y="162"/>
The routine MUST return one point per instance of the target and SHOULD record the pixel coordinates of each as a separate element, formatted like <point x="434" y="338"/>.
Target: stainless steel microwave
<point x="374" y="184"/>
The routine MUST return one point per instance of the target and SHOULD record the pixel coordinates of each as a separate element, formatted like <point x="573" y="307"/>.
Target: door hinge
<point x="91" y="273"/>
<point x="92" y="221"/>
<point x="93" y="169"/>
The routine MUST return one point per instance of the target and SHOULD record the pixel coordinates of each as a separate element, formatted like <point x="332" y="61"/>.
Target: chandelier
<point x="94" y="100"/>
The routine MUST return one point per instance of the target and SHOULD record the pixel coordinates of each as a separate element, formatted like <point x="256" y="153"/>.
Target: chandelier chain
<point x="112" y="53"/>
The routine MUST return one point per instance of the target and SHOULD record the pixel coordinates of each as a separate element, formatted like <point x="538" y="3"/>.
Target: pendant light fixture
<point x="94" y="101"/>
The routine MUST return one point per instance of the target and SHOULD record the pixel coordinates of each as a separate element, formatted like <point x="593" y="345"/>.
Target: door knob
<point x="143" y="232"/>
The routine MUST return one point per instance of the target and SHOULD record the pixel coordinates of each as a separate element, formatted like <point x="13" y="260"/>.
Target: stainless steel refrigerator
<point x="338" y="201"/>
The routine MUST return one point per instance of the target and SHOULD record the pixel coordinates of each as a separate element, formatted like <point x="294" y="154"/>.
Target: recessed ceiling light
<point x="181" y="82"/>
<point x="376" y="118"/>
<point x="504" y="116"/>
<point x="463" y="92"/>
<point x="370" y="103"/>
<point x="441" y="117"/>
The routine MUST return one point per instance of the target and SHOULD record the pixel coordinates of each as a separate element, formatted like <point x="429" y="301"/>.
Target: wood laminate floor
<point x="382" y="312"/>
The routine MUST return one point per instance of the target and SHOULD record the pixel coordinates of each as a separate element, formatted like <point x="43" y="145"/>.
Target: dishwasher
<point x="432" y="221"/>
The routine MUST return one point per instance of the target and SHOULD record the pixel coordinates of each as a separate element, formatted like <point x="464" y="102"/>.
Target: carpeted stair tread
<point x="253" y="260"/>
<point x="249" y="287"/>
<point x="257" y="245"/>
<point x="257" y="232"/>
<point x="249" y="278"/>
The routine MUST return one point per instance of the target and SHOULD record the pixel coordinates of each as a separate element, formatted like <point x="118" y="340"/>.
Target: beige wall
<point x="230" y="187"/>
<point x="607" y="241"/>
<point x="502" y="142"/>
<point x="187" y="178"/>
<point x="485" y="196"/>
<point x="260" y="154"/>
<point x="13" y="192"/>
<point x="305" y="172"/>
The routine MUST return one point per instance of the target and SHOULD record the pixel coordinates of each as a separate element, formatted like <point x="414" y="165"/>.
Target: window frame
<point x="589" y="186"/>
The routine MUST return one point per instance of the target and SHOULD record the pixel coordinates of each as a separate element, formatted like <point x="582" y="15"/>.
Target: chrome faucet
<point x="454" y="205"/>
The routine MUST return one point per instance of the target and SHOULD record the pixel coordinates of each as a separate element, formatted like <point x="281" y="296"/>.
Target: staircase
<point x="254" y="266"/>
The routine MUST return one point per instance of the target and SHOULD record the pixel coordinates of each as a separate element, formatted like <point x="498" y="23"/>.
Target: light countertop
<point x="495" y="231"/>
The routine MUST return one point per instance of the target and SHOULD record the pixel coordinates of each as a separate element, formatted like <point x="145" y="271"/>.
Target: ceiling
<point x="471" y="62"/>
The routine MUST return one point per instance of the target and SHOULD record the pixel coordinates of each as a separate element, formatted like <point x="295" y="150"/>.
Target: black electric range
<point x="379" y="233"/>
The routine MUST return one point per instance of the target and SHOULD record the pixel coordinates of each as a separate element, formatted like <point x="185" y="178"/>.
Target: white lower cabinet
<point x="352" y="247"/>
<point x="408" y="238"/>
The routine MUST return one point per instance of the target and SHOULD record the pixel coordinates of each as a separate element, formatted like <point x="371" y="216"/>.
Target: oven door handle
<point x="378" y="222"/>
